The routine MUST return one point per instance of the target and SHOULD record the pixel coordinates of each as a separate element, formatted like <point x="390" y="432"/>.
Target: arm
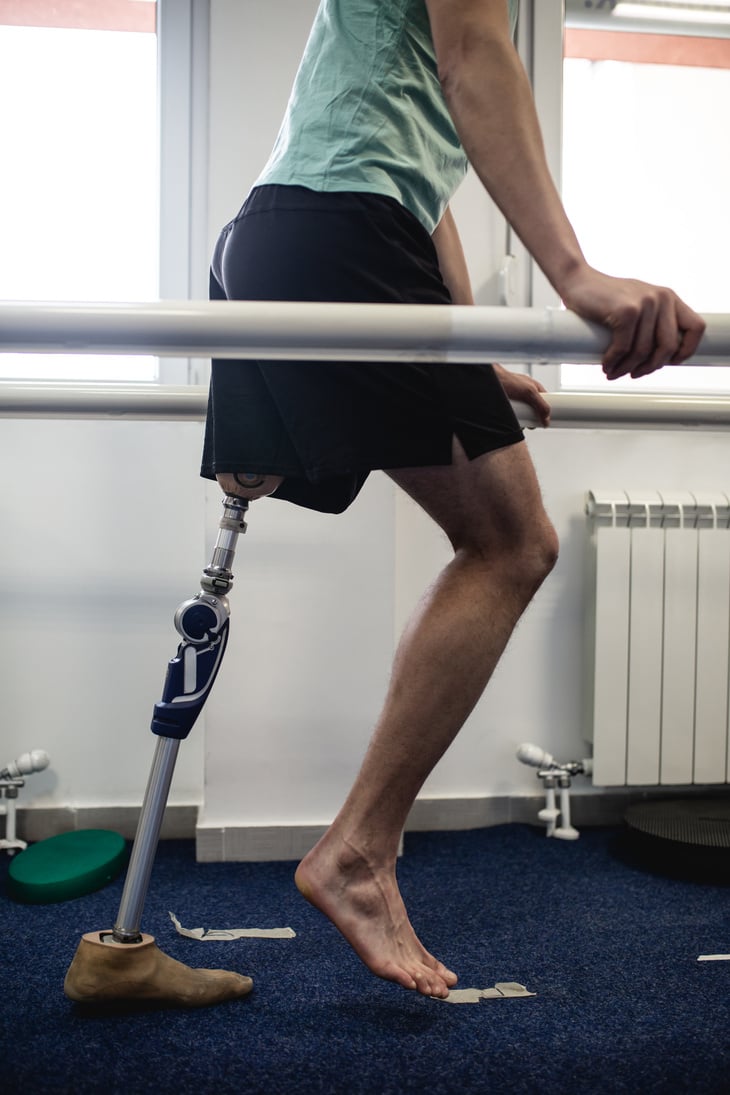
<point x="454" y="271"/>
<point x="490" y="100"/>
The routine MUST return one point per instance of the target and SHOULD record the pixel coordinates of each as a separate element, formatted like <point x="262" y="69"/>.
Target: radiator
<point x="658" y="639"/>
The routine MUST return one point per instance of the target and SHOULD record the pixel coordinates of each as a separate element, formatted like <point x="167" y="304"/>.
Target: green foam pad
<point x="66" y="866"/>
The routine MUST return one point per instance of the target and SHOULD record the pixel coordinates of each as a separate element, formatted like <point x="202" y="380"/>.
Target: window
<point x="646" y="160"/>
<point x="100" y="199"/>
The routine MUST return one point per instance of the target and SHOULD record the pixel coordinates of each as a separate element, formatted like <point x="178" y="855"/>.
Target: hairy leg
<point x="504" y="546"/>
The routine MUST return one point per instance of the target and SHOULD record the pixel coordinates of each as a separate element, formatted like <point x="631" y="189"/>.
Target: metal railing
<point x="342" y="332"/>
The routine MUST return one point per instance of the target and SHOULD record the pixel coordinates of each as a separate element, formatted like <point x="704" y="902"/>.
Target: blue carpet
<point x="610" y="949"/>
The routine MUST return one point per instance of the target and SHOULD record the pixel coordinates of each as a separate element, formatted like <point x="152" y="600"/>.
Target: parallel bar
<point x="574" y="410"/>
<point x="155" y="402"/>
<point x="48" y="399"/>
<point x="311" y="331"/>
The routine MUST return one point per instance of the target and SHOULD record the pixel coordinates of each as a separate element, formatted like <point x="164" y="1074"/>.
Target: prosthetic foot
<point x="122" y="964"/>
<point x="104" y="971"/>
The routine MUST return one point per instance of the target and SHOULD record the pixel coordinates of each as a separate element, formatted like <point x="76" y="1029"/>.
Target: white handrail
<point x="48" y="399"/>
<point x="311" y="331"/>
<point x="153" y="402"/>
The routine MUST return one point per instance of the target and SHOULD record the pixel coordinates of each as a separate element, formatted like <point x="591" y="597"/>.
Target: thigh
<point x="490" y="503"/>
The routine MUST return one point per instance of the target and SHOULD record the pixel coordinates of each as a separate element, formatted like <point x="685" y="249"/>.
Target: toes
<point x="423" y="984"/>
<point x="448" y="976"/>
<point x="400" y="976"/>
<point x="429" y="984"/>
<point x="439" y="971"/>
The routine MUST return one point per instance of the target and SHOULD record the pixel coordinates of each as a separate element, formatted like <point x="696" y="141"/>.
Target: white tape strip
<point x="714" y="958"/>
<point x="218" y="934"/>
<point x="501" y="991"/>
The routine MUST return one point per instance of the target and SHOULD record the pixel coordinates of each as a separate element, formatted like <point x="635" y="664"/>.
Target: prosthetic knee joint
<point x="202" y="622"/>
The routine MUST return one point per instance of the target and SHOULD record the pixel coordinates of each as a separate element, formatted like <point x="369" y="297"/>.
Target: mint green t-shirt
<point x="367" y="112"/>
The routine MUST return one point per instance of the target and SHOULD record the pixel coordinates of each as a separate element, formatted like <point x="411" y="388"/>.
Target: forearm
<point x="491" y="102"/>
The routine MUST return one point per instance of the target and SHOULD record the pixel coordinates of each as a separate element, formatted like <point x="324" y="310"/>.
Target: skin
<point x="490" y="508"/>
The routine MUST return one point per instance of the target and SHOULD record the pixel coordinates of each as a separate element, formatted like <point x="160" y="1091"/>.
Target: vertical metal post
<point x="129" y="917"/>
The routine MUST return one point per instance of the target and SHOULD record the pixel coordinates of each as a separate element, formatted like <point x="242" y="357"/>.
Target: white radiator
<point x="659" y="637"/>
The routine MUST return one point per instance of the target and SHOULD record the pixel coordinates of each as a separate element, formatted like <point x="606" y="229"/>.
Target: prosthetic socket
<point x="202" y="622"/>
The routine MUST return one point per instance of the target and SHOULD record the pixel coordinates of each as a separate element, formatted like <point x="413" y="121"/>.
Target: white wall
<point x="102" y="537"/>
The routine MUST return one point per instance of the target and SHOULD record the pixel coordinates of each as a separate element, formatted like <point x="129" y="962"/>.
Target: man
<point x="391" y="100"/>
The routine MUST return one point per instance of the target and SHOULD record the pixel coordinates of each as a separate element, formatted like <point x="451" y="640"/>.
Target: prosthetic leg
<point x="123" y="964"/>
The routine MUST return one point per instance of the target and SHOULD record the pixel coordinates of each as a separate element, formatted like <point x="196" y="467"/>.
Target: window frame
<point x="183" y="31"/>
<point x="541" y="48"/>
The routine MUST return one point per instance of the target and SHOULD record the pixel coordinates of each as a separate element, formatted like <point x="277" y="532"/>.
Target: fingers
<point x="531" y="393"/>
<point x="534" y="400"/>
<point x="540" y="405"/>
<point x="524" y="389"/>
<point x="653" y="330"/>
<point x="692" y="328"/>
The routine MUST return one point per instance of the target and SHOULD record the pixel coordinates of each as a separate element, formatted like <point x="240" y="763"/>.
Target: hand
<point x="650" y="325"/>
<point x="523" y="389"/>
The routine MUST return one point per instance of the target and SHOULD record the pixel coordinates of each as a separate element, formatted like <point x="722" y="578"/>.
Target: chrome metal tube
<point x="129" y="917"/>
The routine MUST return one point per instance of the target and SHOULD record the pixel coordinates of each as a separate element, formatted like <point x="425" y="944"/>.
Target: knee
<point x="524" y="553"/>
<point x="536" y="554"/>
<point x="545" y="550"/>
<point x="244" y="485"/>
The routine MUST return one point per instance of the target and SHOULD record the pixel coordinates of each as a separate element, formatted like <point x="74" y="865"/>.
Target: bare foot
<point x="365" y="905"/>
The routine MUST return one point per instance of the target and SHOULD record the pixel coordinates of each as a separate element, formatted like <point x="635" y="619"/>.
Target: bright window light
<point x="79" y="186"/>
<point x="678" y="13"/>
<point x="643" y="204"/>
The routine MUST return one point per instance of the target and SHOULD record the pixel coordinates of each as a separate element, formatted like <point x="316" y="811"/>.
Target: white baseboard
<point x="219" y="844"/>
<point x="260" y="843"/>
<point x="40" y="822"/>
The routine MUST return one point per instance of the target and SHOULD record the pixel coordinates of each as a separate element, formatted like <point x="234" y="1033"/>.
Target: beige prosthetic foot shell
<point x="105" y="972"/>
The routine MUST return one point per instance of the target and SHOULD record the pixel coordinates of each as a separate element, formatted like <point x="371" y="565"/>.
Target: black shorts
<point x="324" y="426"/>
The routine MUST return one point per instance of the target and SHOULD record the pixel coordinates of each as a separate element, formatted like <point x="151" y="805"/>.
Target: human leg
<point x="504" y="546"/>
